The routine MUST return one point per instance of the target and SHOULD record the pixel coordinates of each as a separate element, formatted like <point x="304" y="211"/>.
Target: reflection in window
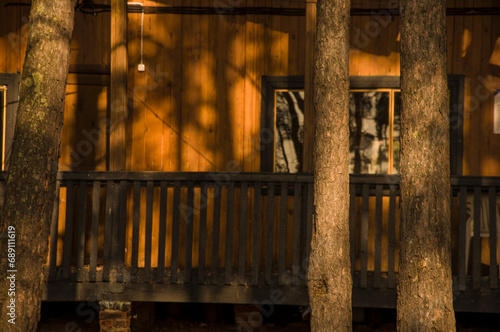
<point x="374" y="126"/>
<point x="289" y="131"/>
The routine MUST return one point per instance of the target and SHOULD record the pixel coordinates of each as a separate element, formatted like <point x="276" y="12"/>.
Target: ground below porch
<point x="196" y="317"/>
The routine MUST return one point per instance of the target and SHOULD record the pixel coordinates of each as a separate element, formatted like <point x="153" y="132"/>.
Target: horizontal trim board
<point x="151" y="292"/>
<point x="224" y="9"/>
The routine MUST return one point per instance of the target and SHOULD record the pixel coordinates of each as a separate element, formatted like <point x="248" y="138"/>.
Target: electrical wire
<point x="142" y="37"/>
<point x="142" y="26"/>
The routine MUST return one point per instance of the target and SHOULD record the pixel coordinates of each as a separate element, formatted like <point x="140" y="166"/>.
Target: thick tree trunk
<point x="425" y="299"/>
<point x="33" y="167"/>
<point x="330" y="281"/>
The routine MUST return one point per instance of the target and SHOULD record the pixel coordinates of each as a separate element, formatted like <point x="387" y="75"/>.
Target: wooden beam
<point x="308" y="84"/>
<point x="118" y="111"/>
<point x="469" y="301"/>
<point x="184" y="293"/>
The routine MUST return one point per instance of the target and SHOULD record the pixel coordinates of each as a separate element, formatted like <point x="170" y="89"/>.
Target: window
<point x="282" y="124"/>
<point x="9" y="100"/>
<point x="289" y="130"/>
<point x="374" y="124"/>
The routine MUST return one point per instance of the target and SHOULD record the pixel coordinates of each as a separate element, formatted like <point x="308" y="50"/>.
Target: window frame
<point x="390" y="139"/>
<point x="272" y="83"/>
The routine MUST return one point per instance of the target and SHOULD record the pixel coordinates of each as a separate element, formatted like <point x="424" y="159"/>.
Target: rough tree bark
<point x="31" y="182"/>
<point x="330" y="281"/>
<point x="425" y="299"/>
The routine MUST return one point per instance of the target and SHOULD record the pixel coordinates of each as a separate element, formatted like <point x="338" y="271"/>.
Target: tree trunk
<point x="32" y="174"/>
<point x="425" y="299"/>
<point x="330" y="281"/>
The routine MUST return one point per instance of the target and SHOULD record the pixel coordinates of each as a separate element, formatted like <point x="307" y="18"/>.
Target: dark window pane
<point x="289" y="131"/>
<point x="369" y="132"/>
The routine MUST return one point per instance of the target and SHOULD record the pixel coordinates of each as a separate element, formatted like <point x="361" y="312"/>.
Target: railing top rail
<point x="218" y="177"/>
<point x="391" y="179"/>
<point x="221" y="177"/>
<point x="483" y="181"/>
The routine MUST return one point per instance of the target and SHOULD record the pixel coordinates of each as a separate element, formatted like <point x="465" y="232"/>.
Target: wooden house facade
<point x="185" y="172"/>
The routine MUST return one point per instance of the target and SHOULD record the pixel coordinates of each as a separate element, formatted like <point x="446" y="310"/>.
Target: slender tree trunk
<point x="33" y="167"/>
<point x="330" y="281"/>
<point x="425" y="299"/>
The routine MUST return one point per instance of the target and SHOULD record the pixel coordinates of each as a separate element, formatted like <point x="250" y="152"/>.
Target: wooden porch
<point x="245" y="238"/>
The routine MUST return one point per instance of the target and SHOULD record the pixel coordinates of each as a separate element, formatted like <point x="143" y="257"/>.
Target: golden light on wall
<point x="466" y="41"/>
<point x="495" y="54"/>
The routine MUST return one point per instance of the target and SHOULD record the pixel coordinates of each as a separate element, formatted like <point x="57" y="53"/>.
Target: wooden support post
<point x="308" y="84"/>
<point x="118" y="109"/>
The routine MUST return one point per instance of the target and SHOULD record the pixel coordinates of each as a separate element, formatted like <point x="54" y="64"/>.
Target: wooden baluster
<point x="135" y="229"/>
<point x="202" y="250"/>
<point x="53" y="234"/>
<point x="297" y="192"/>
<point x="282" y="232"/>
<point x="462" y="222"/>
<point x="108" y="231"/>
<point x="122" y="229"/>
<point x="229" y="233"/>
<point x="493" y="237"/>
<point x="242" y="233"/>
<point x="214" y="266"/>
<point x="310" y="212"/>
<point x="268" y="269"/>
<point x="68" y="230"/>
<point x="476" y="242"/>
<point x="364" y="236"/>
<point x="352" y="223"/>
<point x="256" y="233"/>
<point x="378" y="235"/>
<point x="175" y="232"/>
<point x="94" y="229"/>
<point x="392" y="238"/>
<point x="303" y="234"/>
<point x="162" y="231"/>
<point x="149" y="230"/>
<point x="80" y="235"/>
<point x="189" y="230"/>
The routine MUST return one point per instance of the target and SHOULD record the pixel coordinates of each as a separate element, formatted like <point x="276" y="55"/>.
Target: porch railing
<point x="250" y="229"/>
<point x="475" y="216"/>
<point x="208" y="228"/>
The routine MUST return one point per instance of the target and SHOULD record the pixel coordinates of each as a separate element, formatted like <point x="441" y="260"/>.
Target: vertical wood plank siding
<point x="197" y="107"/>
<point x="192" y="91"/>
